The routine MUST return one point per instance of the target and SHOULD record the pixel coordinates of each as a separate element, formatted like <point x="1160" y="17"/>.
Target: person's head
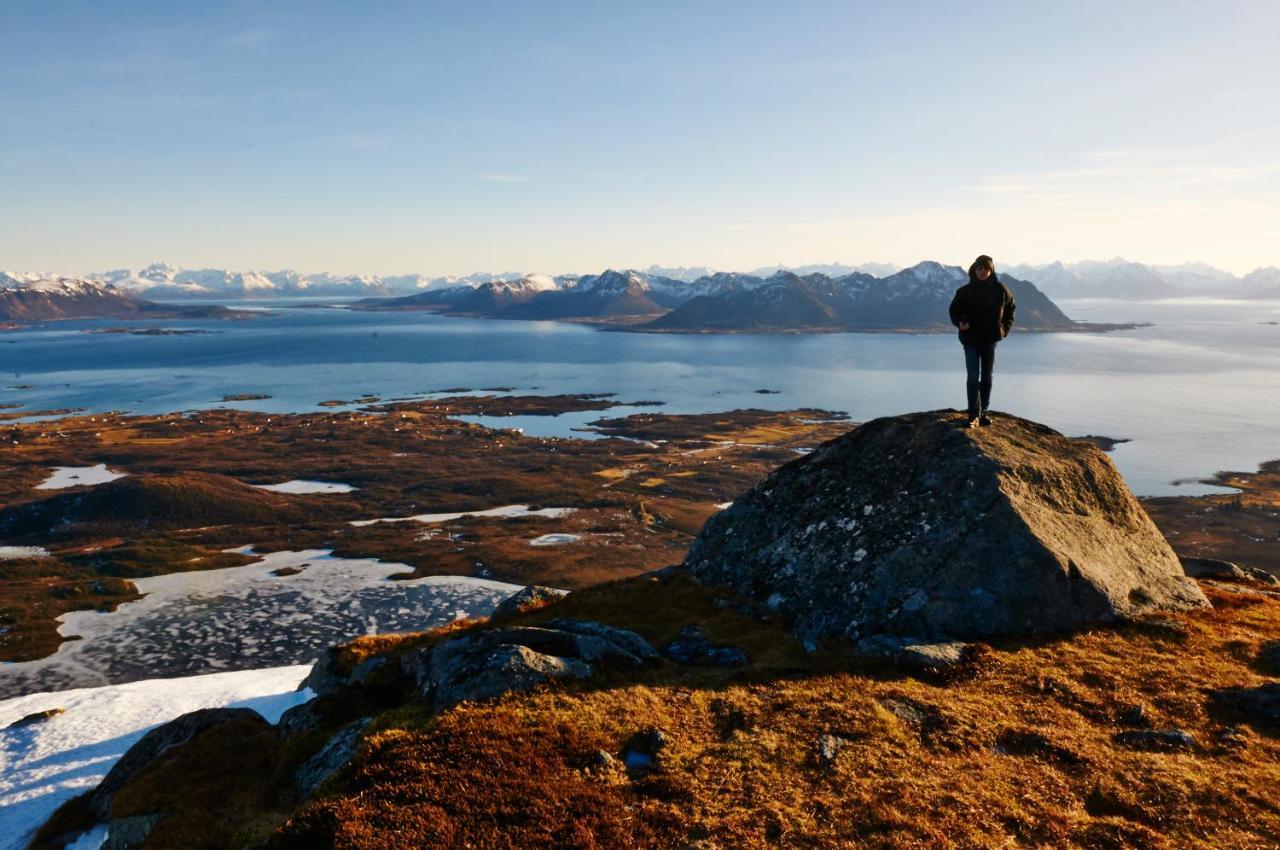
<point x="983" y="269"/>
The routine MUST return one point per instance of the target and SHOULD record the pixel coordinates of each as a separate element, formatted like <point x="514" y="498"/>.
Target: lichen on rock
<point x="916" y="527"/>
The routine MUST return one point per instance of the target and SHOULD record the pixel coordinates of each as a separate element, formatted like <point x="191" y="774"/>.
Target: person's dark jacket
<point x="987" y="305"/>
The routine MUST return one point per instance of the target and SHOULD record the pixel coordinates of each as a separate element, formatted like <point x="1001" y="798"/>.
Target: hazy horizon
<point x="646" y="268"/>
<point x="445" y="138"/>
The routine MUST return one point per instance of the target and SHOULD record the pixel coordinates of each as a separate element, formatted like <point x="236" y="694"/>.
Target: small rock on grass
<point x="1156" y="740"/>
<point x="643" y="749"/>
<point x="527" y="599"/>
<point x="913" y="654"/>
<point x="693" y="647"/>
<point x="829" y="746"/>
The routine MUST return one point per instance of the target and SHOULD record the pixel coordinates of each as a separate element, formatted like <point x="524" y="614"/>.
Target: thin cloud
<point x="249" y="39"/>
<point x="354" y="142"/>
<point x="503" y="178"/>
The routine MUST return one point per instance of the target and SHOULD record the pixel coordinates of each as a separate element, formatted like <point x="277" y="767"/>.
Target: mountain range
<point x="51" y="299"/>
<point x="1121" y="278"/>
<point x="912" y="299"/>
<point x="1116" y="278"/>
<point x="820" y="298"/>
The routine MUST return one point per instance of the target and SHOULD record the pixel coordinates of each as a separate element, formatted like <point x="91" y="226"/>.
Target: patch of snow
<point x="300" y="486"/>
<point x="246" y="617"/>
<point x="554" y="539"/>
<point x="46" y="763"/>
<point x="78" y="476"/>
<point x="720" y="506"/>
<point x="506" y="511"/>
<point x="12" y="553"/>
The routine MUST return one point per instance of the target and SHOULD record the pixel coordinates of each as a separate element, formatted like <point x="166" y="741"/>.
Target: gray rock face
<point x="331" y="758"/>
<point x="693" y="647"/>
<point x="128" y="833"/>
<point x="1155" y="739"/>
<point x="1228" y="571"/>
<point x="327" y="675"/>
<point x="462" y="670"/>
<point x="488" y="663"/>
<point x="914" y="526"/>
<point x="935" y="656"/>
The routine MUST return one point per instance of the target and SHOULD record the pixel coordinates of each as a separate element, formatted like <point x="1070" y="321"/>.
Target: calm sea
<point x="1197" y="392"/>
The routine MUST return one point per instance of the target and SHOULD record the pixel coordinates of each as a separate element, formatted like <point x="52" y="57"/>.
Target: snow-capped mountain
<point x="40" y="298"/>
<point x="914" y="298"/>
<point x="62" y="298"/>
<point x="1121" y="278"/>
<point x="1198" y="277"/>
<point x="609" y="294"/>
<point x="1262" y="283"/>
<point x="664" y="286"/>
<point x="163" y="280"/>
<point x="685" y="274"/>
<point x="829" y="269"/>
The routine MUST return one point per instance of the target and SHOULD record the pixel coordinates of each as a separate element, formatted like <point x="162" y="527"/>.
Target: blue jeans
<point x="979" y="361"/>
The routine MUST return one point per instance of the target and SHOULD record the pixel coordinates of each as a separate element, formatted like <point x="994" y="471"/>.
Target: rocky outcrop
<point x="331" y="758"/>
<point x="486" y="664"/>
<point x="1212" y="568"/>
<point x="526" y="599"/>
<point x="914" y="526"/>
<point x="151" y="746"/>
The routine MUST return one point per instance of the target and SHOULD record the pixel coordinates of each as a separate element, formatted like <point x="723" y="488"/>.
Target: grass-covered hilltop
<point x="896" y="635"/>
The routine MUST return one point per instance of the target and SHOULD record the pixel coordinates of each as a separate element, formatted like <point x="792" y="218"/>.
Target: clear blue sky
<point x="444" y="138"/>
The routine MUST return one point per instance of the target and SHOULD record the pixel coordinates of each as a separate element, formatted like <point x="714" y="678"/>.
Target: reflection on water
<point x="1196" y="392"/>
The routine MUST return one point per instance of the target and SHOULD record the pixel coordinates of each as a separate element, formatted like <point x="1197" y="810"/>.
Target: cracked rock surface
<point x="915" y="526"/>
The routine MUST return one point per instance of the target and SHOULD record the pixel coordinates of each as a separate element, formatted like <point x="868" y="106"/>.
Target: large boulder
<point x="915" y="526"/>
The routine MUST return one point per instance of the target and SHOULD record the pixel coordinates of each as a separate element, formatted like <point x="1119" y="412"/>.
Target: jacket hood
<point x="986" y="261"/>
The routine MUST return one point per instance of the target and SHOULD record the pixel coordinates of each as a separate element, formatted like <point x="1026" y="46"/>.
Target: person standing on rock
<point x="983" y="311"/>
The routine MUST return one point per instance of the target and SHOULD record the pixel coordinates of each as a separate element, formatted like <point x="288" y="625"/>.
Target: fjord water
<point x="1196" y="392"/>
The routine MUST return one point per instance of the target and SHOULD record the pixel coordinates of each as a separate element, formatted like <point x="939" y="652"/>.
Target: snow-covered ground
<point x="555" y="539"/>
<point x="46" y="763"/>
<point x="246" y="617"/>
<point x="12" y="553"/>
<point x="299" y="485"/>
<point x="506" y="511"/>
<point x="78" y="476"/>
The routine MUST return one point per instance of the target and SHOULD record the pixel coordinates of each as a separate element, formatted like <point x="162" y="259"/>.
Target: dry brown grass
<point x="410" y="458"/>
<point x="1244" y="528"/>
<point x="35" y="592"/>
<point x="742" y="771"/>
